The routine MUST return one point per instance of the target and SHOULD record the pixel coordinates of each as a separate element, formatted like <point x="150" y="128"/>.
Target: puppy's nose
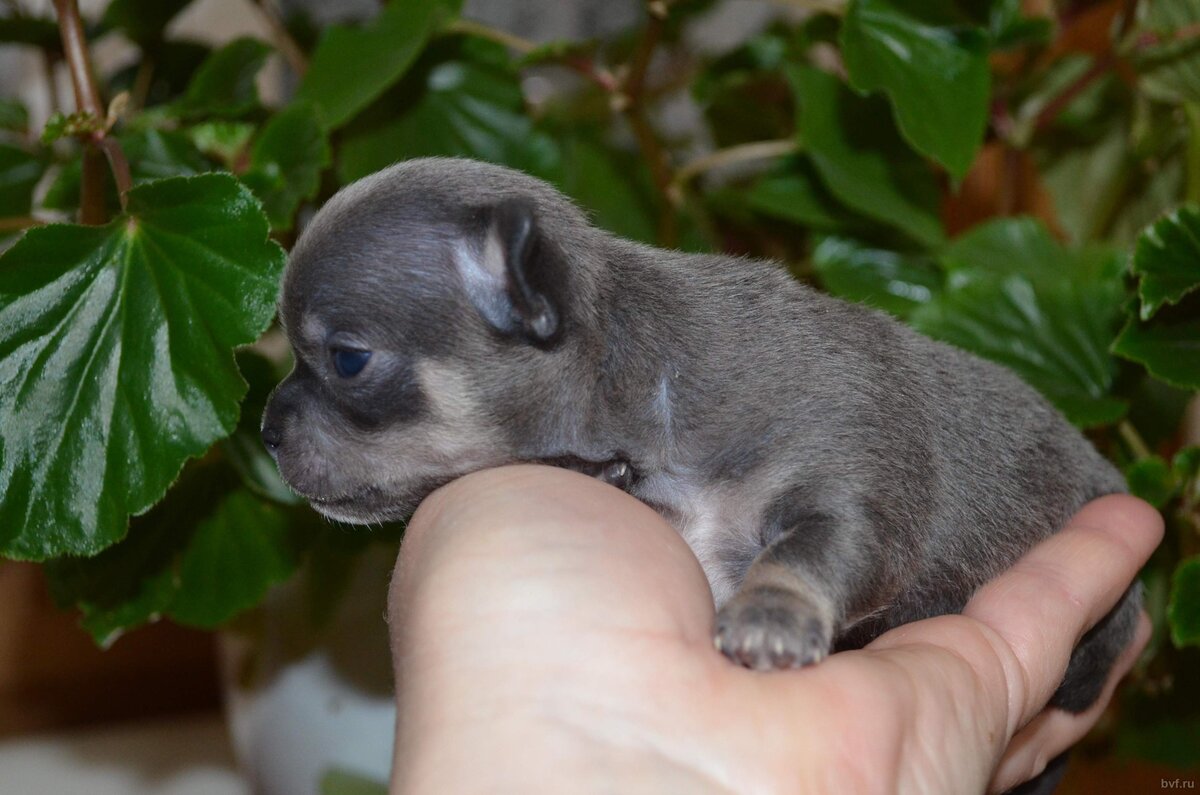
<point x="271" y="437"/>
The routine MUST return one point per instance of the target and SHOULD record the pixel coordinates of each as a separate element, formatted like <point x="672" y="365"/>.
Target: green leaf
<point x="462" y="99"/>
<point x="1186" y="463"/>
<point x="1156" y="409"/>
<point x="1168" y="60"/>
<point x="131" y="583"/>
<point x="558" y="51"/>
<point x="1152" y="480"/>
<point x="19" y="174"/>
<point x="344" y="782"/>
<point x="1168" y="346"/>
<point x="202" y="555"/>
<point x="749" y="76"/>
<point x="152" y="154"/>
<point x="61" y="125"/>
<point x="1015" y="296"/>
<point x="933" y="69"/>
<point x="1009" y="28"/>
<point x="233" y="557"/>
<point x="1166" y="739"/>
<point x="1011" y="245"/>
<point x="353" y="66"/>
<point x="224" y="141"/>
<point x="1183" y="609"/>
<point x="116" y="350"/>
<point x="224" y="84"/>
<point x="13" y="115"/>
<point x="37" y="32"/>
<point x="797" y="196"/>
<point x="888" y="280"/>
<point x="1147" y="197"/>
<point x="286" y="162"/>
<point x="861" y="158"/>
<point x="1167" y="259"/>
<point x="1099" y="171"/>
<point x="614" y="188"/>
<point x="174" y="67"/>
<point x="244" y="448"/>
<point x="142" y="21"/>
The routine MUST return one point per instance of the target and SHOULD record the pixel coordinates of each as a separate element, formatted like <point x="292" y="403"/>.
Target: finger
<point x="549" y="544"/>
<point x="521" y="593"/>
<point x="1044" y="604"/>
<point x="1054" y="730"/>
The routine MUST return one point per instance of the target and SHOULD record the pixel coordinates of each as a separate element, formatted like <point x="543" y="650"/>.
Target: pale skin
<point x="551" y="634"/>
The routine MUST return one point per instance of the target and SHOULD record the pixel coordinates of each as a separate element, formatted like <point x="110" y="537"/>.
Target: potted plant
<point x="1019" y="179"/>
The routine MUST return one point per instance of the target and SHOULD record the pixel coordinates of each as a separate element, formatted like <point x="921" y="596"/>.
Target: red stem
<point x="632" y="93"/>
<point x="70" y="27"/>
<point x="87" y="100"/>
<point x="1077" y="86"/>
<point x="1109" y="59"/>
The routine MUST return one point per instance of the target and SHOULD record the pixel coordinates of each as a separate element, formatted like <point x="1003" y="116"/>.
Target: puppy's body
<point x="835" y="473"/>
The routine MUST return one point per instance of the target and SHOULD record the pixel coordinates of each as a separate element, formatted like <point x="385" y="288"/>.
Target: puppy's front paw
<point x="769" y="628"/>
<point x="617" y="473"/>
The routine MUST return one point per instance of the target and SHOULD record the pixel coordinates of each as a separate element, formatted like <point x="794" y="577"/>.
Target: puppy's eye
<point x="349" y="362"/>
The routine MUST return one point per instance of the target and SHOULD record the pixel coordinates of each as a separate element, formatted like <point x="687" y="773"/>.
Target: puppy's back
<point x="956" y="463"/>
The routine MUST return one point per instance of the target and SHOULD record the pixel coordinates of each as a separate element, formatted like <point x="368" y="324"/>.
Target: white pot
<point x="308" y="685"/>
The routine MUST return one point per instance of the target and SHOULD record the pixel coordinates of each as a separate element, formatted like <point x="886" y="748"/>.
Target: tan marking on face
<point x="450" y="392"/>
<point x="451" y="442"/>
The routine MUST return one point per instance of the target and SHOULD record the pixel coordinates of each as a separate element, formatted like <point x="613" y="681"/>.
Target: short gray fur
<point x="835" y="472"/>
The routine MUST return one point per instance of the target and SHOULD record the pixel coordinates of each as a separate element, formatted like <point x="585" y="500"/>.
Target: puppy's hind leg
<point x="1093" y="658"/>
<point x="616" y="472"/>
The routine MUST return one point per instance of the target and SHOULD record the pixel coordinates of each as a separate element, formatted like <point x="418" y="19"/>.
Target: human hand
<point x="552" y="634"/>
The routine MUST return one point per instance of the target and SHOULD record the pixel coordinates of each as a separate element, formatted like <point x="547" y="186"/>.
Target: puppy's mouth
<point x="341" y="499"/>
<point x="386" y="502"/>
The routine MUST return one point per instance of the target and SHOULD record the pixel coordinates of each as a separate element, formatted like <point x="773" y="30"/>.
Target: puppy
<point x="835" y="473"/>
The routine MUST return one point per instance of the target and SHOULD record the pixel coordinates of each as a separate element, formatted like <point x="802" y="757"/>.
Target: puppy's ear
<point x="512" y="274"/>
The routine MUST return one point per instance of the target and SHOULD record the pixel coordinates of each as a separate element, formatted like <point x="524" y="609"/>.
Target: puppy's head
<point x="430" y="308"/>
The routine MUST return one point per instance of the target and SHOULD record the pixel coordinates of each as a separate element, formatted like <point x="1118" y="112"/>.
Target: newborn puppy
<point x="835" y="473"/>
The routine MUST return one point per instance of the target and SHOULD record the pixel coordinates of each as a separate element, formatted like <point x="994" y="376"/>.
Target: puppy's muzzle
<point x="280" y="406"/>
<point x="272" y="437"/>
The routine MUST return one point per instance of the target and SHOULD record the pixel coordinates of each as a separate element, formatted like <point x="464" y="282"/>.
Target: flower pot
<point x="307" y="677"/>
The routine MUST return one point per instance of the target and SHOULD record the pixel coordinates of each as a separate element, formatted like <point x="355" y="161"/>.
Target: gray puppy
<point x="835" y="473"/>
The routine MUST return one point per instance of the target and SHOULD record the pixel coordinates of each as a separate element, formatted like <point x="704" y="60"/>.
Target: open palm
<point x="552" y="634"/>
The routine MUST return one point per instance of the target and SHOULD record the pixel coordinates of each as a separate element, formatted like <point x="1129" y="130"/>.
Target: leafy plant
<point x="1025" y="187"/>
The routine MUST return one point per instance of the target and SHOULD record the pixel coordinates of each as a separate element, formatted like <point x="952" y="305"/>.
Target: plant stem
<point x="1133" y="440"/>
<point x="758" y="150"/>
<point x="87" y="100"/>
<point x="18" y="222"/>
<point x="576" y="63"/>
<point x="117" y="162"/>
<point x="630" y="101"/>
<point x="1192" y="152"/>
<point x="1105" y="62"/>
<point x="92" y="211"/>
<point x="70" y="27"/>
<point x="1179" y="34"/>
<point x="284" y="42"/>
<point x="1069" y="94"/>
<point x="141" y="83"/>
<point x="639" y="63"/>
<point x="470" y="27"/>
